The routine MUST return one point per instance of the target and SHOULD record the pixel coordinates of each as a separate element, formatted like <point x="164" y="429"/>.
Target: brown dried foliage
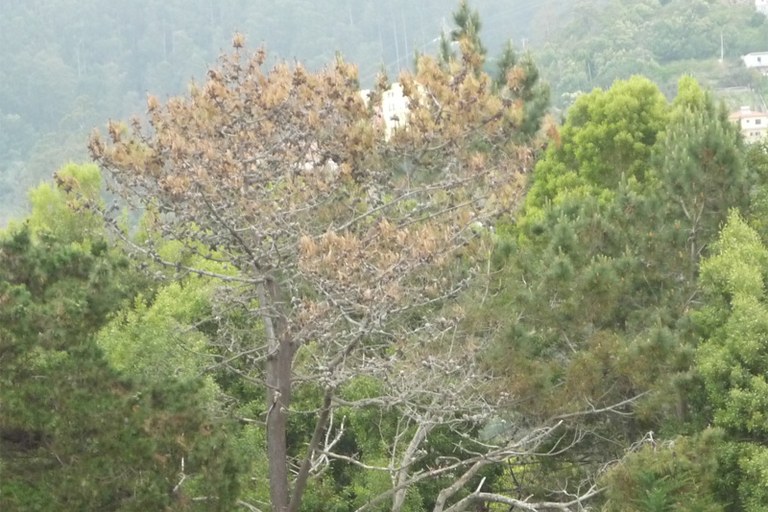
<point x="286" y="171"/>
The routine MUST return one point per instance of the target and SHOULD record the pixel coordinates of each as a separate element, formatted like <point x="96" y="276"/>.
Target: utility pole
<point x="722" y="47"/>
<point x="405" y="34"/>
<point x="397" y="44"/>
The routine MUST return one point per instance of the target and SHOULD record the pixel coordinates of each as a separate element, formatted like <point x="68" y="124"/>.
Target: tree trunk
<point x="278" y="383"/>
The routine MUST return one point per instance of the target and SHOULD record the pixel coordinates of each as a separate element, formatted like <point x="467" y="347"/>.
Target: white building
<point x="757" y="61"/>
<point x="394" y="109"/>
<point x="753" y="125"/>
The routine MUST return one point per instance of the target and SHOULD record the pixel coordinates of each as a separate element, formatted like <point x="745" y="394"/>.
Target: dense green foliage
<point x="732" y="357"/>
<point x="75" y="434"/>
<point x="605" y="259"/>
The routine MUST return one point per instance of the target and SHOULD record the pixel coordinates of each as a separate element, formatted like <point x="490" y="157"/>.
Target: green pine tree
<point x="74" y="433"/>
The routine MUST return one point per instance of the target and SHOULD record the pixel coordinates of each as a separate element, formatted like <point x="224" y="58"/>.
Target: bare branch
<point x="485" y="497"/>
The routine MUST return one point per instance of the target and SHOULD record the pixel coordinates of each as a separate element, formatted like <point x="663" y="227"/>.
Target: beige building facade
<point x="753" y="125"/>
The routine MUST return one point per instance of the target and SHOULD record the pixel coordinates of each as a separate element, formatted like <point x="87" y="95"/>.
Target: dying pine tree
<point x="343" y="248"/>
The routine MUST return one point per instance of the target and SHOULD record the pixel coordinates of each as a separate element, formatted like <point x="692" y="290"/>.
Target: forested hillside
<point x="253" y="297"/>
<point x="599" y="42"/>
<point x="69" y="65"/>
